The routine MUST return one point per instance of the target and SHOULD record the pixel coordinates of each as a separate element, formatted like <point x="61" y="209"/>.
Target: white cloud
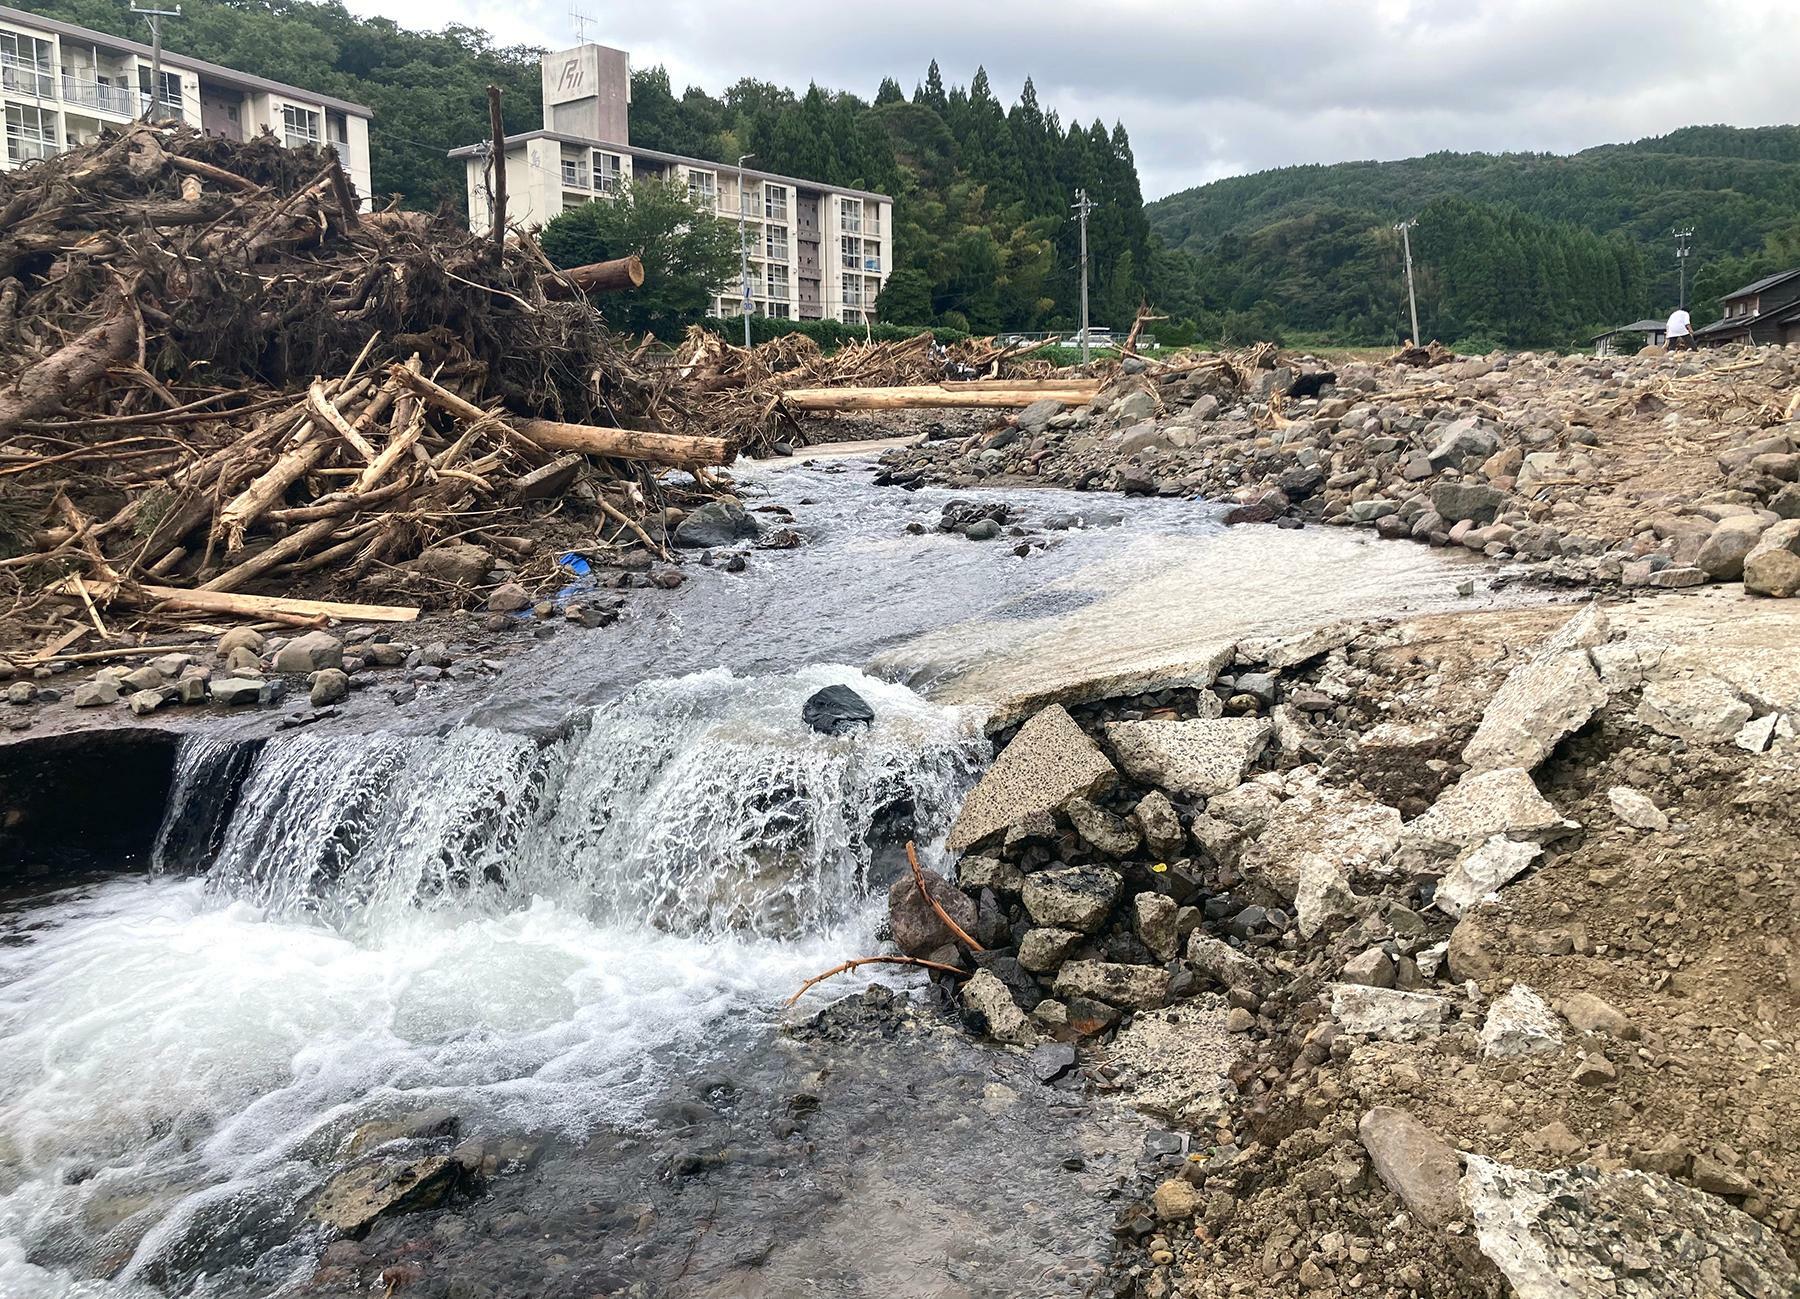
<point x="1214" y="89"/>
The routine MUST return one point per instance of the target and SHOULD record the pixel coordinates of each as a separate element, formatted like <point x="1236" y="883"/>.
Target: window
<point x="574" y="174"/>
<point x="775" y="202"/>
<point x="871" y="256"/>
<point x="778" y="282"/>
<point x="775" y="243"/>
<point x="850" y="215"/>
<point x="850" y="252"/>
<point x="25" y="65"/>
<point x="30" y="133"/>
<point x="299" y="126"/>
<point x="703" y="187"/>
<point x="779" y="310"/>
<point x="853" y="290"/>
<point x="169" y="100"/>
<point x="608" y="172"/>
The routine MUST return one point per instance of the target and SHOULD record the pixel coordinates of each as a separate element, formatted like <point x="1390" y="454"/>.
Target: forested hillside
<point x="982" y="189"/>
<point x="1311" y="247"/>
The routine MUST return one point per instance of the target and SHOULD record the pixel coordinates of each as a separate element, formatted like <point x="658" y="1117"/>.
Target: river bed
<point x="567" y="912"/>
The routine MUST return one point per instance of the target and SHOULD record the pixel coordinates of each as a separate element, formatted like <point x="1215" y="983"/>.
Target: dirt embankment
<point x="1459" y="955"/>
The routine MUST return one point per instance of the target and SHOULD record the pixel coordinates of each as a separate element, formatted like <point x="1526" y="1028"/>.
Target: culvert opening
<point x="86" y="801"/>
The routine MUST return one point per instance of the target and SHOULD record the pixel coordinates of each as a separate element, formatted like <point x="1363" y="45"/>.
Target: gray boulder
<point x="458" y="563"/>
<point x="1732" y="539"/>
<point x="1414" y="1163"/>
<point x="717" y="523"/>
<point x="96" y="693"/>
<point x="1476" y="502"/>
<point x="329" y="685"/>
<point x="308" y="653"/>
<point x="1072" y="897"/>
<point x="918" y="930"/>
<point x="1772" y="567"/>
<point x="1140" y="986"/>
<point x="987" y="998"/>
<point x="233" y="691"/>
<point x="1198" y="758"/>
<point x="836" y="710"/>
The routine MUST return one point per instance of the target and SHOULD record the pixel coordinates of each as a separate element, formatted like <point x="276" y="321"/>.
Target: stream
<point x="563" y="915"/>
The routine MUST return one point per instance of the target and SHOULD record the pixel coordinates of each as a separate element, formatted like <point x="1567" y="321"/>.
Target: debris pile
<point x="1651" y="471"/>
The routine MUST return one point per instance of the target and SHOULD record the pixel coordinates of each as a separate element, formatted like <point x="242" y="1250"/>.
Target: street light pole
<point x="1082" y="207"/>
<point x="1412" y="301"/>
<point x="744" y="246"/>
<point x="156" y="16"/>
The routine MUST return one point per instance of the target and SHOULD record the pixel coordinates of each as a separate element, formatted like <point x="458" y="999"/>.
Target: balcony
<point x="105" y="98"/>
<point x="32" y="79"/>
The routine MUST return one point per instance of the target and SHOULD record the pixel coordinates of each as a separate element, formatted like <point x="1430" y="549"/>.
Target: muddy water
<point x="569" y="917"/>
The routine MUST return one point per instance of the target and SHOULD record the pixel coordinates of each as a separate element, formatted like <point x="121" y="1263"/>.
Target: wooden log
<point x="497" y="216"/>
<point x="49" y="384"/>
<point x="253" y="606"/>
<point x="935" y="396"/>
<point x="625" y="444"/>
<point x="616" y="276"/>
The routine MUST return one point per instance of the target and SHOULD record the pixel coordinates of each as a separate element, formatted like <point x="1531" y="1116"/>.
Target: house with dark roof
<point x="1767" y="311"/>
<point x="1628" y="338"/>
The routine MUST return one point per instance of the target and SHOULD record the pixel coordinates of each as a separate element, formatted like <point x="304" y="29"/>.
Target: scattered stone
<point x="1223" y="963"/>
<point x="1042" y="950"/>
<point x="1112" y="836"/>
<point x="1481" y="870"/>
<point x="1635" y="809"/>
<point x="144" y="702"/>
<point x="1577" y="1232"/>
<point x="1161" y="824"/>
<point x="1758" y="733"/>
<point x="1349" y="833"/>
<point x="1595" y="1070"/>
<point x="1051" y="1060"/>
<point x="1373" y="969"/>
<point x="307" y="654"/>
<point x="1049" y="761"/>
<point x="1196" y="758"/>
<point x="144" y="678"/>
<point x="1414" y="1163"/>
<point x="1153" y="920"/>
<point x="1590" y="1014"/>
<point x="1519" y="1023"/>
<point x="245" y="638"/>
<point x="456" y="563"/>
<point x="420" y="1125"/>
<point x="1732" y="539"/>
<point x="1139" y="986"/>
<point x="1072" y="897"/>
<point x="717" y="523"/>
<point x="977" y="873"/>
<point x="356" y="1197"/>
<point x="1322" y="896"/>
<point x="508" y="597"/>
<point x="1176" y="1200"/>
<point x="1772" y="567"/>
<point x="1179" y="1060"/>
<point x="329" y="686"/>
<point x="836" y="710"/>
<point x="1385" y="1013"/>
<point x="232" y="691"/>
<point x="993" y="1004"/>
<point x="1701" y="710"/>
<point x="96" y="693"/>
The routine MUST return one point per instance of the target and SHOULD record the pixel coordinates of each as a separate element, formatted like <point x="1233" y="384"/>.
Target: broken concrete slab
<point x="1520" y="1023"/>
<point x="1543" y="700"/>
<point x="1385" y="1013"/>
<point x="1141" y="986"/>
<point x="1579" y="1232"/>
<point x="1176" y="1061"/>
<point x="1701" y="710"/>
<point x="1481" y="870"/>
<point x="1206" y="756"/>
<point x="1048" y="762"/>
<point x="1072" y="897"/>
<point x="1280" y="652"/>
<point x="1414" y="1163"/>
<point x="1354" y="834"/>
<point x="1322" y="895"/>
<point x="1480" y="805"/>
<point x="988" y="999"/>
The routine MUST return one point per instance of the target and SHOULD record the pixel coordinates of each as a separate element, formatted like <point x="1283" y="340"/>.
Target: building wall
<point x="93" y="85"/>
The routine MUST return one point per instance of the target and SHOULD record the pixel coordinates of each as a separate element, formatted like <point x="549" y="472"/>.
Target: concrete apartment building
<point x="62" y="84"/>
<point x="817" y="251"/>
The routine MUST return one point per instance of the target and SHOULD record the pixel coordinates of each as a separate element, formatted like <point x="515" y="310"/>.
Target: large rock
<point x="1042" y="950"/>
<point x="356" y="1197"/>
<point x="329" y="685"/>
<point x="1481" y="870"/>
<point x="1579" y="1233"/>
<point x="1206" y="756"/>
<point x="986" y="997"/>
<point x="1072" y="897"/>
<point x="1179" y="1060"/>
<point x="1111" y="835"/>
<point x="1049" y="761"/>
<point x="232" y="691"/>
<point x="93" y="694"/>
<point x="1153" y="920"/>
<point x="1414" y="1163"/>
<point x="1385" y="1013"/>
<point x="1223" y="963"/>
<point x="1543" y="700"/>
<point x="918" y="930"/>
<point x="1481" y="805"/>
<point x="457" y="563"/>
<point x="1520" y="1023"/>
<point x="1161" y="824"/>
<point x="1773" y="566"/>
<point x="717" y="523"/>
<point x="1476" y="502"/>
<point x="308" y="653"/>
<point x="836" y="710"/>
<point x="1140" y="986"/>
<point x="1701" y="710"/>
<point x="1732" y="540"/>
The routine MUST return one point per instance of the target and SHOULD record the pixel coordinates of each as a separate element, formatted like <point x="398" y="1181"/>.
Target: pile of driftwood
<point x="216" y="374"/>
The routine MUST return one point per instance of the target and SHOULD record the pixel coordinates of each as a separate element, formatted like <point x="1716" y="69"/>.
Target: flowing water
<point x="569" y="916"/>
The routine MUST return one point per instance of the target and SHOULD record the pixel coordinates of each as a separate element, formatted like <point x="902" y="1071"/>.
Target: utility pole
<point x="155" y="16"/>
<point x="744" y="245"/>
<point x="1412" y="301"/>
<point x="1682" y="250"/>
<point x="1082" y="207"/>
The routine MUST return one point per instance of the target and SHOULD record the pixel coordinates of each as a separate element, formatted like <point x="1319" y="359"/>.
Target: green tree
<point x="906" y="298"/>
<point x="689" y="254"/>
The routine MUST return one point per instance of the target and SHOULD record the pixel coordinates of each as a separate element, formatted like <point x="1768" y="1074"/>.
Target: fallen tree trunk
<point x="48" y="385"/>
<point x="252" y="606"/>
<point x="599" y="277"/>
<point x="938" y="396"/>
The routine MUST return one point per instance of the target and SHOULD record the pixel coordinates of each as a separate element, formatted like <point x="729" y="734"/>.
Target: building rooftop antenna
<point x="580" y="21"/>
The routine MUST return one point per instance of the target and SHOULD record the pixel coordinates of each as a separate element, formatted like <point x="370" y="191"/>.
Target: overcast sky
<point x="1212" y="88"/>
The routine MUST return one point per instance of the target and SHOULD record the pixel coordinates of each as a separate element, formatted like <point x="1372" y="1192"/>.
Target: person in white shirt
<point x="1679" y="331"/>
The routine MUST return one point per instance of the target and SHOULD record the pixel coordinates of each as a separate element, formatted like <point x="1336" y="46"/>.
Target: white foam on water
<point x="540" y="937"/>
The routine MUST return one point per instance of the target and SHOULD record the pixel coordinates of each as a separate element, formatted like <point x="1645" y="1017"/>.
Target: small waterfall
<point x="700" y="805"/>
<point x="208" y="774"/>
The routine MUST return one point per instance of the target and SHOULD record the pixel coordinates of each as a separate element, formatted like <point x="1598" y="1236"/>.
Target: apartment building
<point x="816" y="251"/>
<point x="62" y="84"/>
